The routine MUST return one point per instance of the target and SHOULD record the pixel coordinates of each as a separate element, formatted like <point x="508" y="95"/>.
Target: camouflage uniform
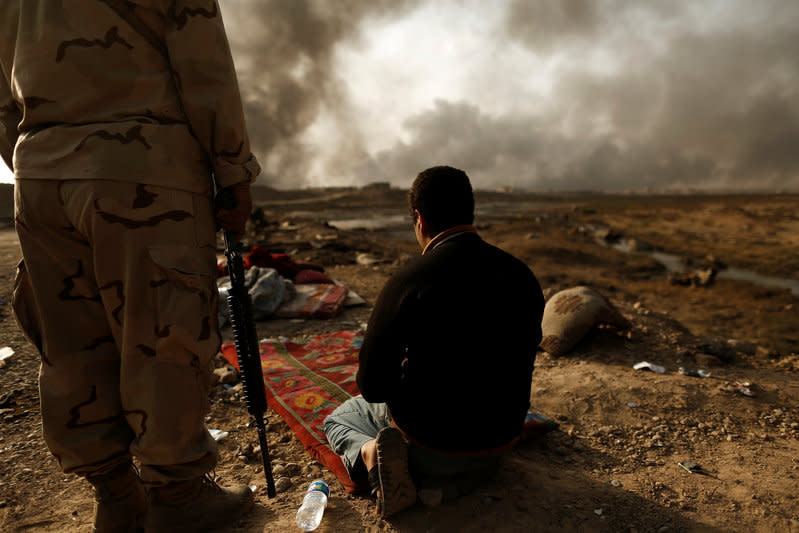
<point x="113" y="147"/>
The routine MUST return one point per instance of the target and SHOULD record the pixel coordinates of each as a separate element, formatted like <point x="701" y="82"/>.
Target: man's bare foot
<point x="369" y="454"/>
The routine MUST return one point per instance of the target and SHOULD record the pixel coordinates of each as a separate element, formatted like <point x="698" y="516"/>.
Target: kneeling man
<point x="447" y="360"/>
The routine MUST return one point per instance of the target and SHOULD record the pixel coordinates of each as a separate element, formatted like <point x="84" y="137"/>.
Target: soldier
<point x="113" y="116"/>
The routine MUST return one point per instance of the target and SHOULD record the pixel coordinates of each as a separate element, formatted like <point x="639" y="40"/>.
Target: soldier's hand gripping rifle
<point x="246" y="340"/>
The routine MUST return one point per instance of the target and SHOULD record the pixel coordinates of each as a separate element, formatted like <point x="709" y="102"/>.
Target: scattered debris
<point x="353" y="299"/>
<point x="601" y="233"/>
<point x="366" y="259"/>
<point x="218" y="434"/>
<point x="745" y="388"/>
<point x="645" y="365"/>
<point x="694" y="373"/>
<point x="5" y="353"/>
<point x="227" y="375"/>
<point x="694" y="468"/>
<point x="697" y="278"/>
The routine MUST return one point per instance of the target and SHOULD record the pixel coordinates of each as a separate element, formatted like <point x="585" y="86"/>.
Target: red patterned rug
<point x="307" y="378"/>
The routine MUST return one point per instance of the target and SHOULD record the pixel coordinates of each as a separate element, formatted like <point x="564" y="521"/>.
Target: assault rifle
<point x="246" y="340"/>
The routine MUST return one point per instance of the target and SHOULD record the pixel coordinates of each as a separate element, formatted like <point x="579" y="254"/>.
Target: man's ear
<point x="420" y="220"/>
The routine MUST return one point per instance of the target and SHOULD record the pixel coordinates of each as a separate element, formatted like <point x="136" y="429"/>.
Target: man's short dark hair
<point x="443" y="195"/>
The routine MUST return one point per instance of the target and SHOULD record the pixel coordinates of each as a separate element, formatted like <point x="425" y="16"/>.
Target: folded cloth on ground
<point x="321" y="300"/>
<point x="570" y="314"/>
<point x="268" y="290"/>
<point x="307" y="378"/>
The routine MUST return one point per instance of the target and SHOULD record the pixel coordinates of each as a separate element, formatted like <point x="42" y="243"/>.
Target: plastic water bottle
<point x="313" y="506"/>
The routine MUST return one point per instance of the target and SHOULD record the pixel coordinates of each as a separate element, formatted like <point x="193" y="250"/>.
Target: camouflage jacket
<point x="84" y="95"/>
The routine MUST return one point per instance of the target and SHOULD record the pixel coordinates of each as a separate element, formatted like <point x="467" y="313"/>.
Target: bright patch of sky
<point x="449" y="50"/>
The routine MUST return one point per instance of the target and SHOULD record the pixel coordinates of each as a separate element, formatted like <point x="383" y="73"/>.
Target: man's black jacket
<point x="451" y="344"/>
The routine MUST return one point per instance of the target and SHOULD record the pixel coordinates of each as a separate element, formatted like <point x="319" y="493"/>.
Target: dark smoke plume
<point x="677" y="94"/>
<point x="717" y="109"/>
<point x="284" y="51"/>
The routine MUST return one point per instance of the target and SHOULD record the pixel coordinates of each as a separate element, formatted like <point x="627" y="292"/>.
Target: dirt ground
<point x="613" y="464"/>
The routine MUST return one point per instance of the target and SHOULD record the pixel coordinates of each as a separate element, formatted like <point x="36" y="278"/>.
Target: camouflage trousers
<point x="117" y="291"/>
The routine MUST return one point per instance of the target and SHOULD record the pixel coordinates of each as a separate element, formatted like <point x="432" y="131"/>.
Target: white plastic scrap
<point x="644" y="365"/>
<point x="218" y="434"/>
<point x="6" y="352"/>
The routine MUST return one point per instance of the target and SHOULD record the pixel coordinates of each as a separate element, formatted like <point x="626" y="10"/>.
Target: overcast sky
<point x="537" y="94"/>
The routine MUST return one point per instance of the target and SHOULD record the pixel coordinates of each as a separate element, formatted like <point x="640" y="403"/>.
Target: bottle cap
<point x="321" y="486"/>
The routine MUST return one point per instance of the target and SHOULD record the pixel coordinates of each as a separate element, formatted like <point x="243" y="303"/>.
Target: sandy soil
<point x="613" y="465"/>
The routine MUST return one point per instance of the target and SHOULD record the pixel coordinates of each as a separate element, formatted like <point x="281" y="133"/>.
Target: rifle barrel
<point x="270" y="481"/>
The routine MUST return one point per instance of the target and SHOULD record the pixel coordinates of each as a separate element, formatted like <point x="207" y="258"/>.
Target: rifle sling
<point x="124" y="10"/>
